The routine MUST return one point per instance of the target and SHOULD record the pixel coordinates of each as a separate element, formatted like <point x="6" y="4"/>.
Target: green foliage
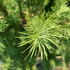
<point x="35" y="6"/>
<point x="40" y="34"/>
<point x="3" y="25"/>
<point x="3" y="8"/>
<point x="46" y="33"/>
